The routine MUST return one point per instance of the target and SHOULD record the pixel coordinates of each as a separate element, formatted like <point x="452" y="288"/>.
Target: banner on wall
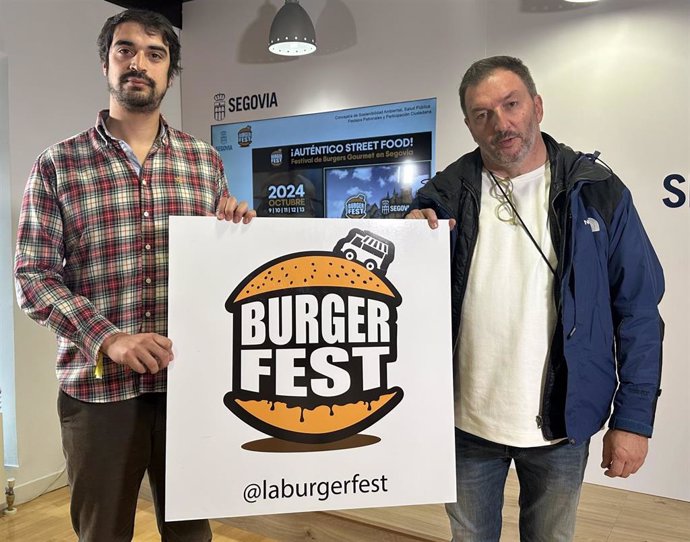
<point x="355" y="163"/>
<point x="307" y="373"/>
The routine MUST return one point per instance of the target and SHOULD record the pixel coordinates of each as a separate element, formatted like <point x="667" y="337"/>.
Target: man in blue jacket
<point x="555" y="288"/>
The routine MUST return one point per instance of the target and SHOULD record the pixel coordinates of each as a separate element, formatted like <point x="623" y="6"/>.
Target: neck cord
<point x="522" y="223"/>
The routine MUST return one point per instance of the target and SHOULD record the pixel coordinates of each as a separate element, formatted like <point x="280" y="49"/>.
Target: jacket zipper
<point x="558" y="299"/>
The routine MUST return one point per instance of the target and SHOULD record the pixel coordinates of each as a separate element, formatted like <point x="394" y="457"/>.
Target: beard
<point x="510" y="157"/>
<point x="139" y="100"/>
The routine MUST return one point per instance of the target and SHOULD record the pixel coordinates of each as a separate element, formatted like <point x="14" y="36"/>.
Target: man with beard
<point x="554" y="296"/>
<point x="92" y="265"/>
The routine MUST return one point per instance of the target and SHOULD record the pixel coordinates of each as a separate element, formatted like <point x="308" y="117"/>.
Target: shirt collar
<point x="102" y="129"/>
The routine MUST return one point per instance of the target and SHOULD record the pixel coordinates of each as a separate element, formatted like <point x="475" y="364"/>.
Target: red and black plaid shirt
<point x="92" y="247"/>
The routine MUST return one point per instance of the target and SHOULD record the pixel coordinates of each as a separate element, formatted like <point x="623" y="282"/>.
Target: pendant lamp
<point x="292" y="32"/>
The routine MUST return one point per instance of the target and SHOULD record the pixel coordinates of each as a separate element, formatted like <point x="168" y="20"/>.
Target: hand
<point x="430" y="216"/>
<point x="230" y="209"/>
<point x="142" y="352"/>
<point x="624" y="453"/>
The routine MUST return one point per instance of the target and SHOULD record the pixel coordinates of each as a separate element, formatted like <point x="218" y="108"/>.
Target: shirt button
<point x="148" y="280"/>
<point x="148" y="247"/>
<point x="144" y="183"/>
<point x="146" y="214"/>
<point x="148" y="314"/>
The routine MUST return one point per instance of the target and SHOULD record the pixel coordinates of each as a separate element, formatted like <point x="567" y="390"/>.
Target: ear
<point x="539" y="107"/>
<point x="170" y="80"/>
<point x="105" y="69"/>
<point x="467" y="123"/>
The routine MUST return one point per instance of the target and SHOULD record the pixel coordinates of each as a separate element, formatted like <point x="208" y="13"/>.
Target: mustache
<point x="500" y="136"/>
<point x="134" y="74"/>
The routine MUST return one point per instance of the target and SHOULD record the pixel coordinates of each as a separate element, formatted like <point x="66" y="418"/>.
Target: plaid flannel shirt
<point x="92" y="247"/>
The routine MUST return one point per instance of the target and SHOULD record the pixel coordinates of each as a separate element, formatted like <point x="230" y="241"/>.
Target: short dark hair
<point x="481" y="69"/>
<point x="153" y="23"/>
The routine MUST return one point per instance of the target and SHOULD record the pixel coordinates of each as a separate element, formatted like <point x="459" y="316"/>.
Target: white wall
<point x="369" y="53"/>
<point x="56" y="89"/>
<point x="614" y="76"/>
<point x="6" y="299"/>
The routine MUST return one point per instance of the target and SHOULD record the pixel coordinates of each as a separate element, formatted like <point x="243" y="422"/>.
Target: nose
<point x="500" y="121"/>
<point x="138" y="62"/>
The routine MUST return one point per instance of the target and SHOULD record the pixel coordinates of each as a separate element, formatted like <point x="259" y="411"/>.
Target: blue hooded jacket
<point x="606" y="348"/>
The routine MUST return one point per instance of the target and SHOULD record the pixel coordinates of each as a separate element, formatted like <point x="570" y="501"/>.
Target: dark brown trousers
<point x="108" y="447"/>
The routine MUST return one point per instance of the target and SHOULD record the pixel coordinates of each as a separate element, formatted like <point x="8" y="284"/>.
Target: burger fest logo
<point x="314" y="334"/>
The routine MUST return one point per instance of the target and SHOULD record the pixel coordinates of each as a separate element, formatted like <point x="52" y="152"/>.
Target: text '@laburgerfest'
<point x="322" y="490"/>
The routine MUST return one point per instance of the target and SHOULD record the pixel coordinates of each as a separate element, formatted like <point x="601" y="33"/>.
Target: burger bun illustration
<point x="313" y="336"/>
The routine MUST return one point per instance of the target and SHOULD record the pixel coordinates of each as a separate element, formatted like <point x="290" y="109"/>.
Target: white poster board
<point x="313" y="366"/>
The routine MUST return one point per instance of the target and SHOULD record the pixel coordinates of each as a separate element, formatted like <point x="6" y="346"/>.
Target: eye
<point x="480" y="116"/>
<point x="512" y="104"/>
<point x="157" y="57"/>
<point x="124" y="51"/>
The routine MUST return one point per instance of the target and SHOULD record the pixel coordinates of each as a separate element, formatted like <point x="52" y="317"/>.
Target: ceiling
<point x="172" y="9"/>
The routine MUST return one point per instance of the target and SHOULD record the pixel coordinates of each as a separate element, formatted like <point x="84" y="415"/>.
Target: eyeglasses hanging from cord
<point x="507" y="212"/>
<point x="502" y="191"/>
<point x="292" y="32"/>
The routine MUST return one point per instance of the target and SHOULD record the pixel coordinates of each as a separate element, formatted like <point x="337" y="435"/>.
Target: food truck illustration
<point x="372" y="251"/>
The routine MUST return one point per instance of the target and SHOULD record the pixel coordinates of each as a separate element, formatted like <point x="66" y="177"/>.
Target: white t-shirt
<point x="508" y="317"/>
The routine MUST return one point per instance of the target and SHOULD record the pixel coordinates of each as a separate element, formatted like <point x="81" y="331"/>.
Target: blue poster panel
<point x="355" y="163"/>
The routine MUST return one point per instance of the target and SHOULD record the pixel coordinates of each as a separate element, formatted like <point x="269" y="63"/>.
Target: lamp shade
<point x="292" y="32"/>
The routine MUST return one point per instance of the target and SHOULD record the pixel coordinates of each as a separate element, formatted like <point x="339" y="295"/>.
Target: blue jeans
<point x="550" y="480"/>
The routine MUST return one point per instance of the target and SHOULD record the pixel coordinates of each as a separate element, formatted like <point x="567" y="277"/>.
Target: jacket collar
<point x="569" y="167"/>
